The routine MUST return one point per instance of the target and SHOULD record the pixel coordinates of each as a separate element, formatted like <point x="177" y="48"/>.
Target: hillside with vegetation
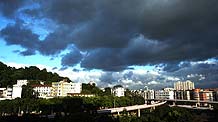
<point x="10" y="75"/>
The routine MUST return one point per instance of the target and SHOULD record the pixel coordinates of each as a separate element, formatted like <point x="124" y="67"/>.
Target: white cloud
<point x="153" y="83"/>
<point x="127" y="81"/>
<point x="172" y="78"/>
<point x="16" y="65"/>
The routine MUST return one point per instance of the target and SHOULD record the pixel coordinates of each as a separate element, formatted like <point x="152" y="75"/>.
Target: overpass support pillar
<point x="152" y="108"/>
<point x="139" y="114"/>
<point x="174" y="103"/>
<point x="210" y="106"/>
<point x="197" y="104"/>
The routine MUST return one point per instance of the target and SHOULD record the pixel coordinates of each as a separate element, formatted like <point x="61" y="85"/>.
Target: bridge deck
<point x="195" y="101"/>
<point x="129" y="108"/>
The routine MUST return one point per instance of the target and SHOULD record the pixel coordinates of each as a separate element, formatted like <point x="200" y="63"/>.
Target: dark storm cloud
<point x="171" y="67"/>
<point x="69" y="12"/>
<point x="28" y="52"/>
<point x="17" y="34"/>
<point x="172" y="30"/>
<point x="116" y="34"/>
<point x="72" y="58"/>
<point x="9" y="7"/>
<point x="106" y="59"/>
<point x="55" y="42"/>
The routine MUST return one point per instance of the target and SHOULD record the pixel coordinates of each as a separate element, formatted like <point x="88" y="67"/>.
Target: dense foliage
<point x="64" y="105"/>
<point x="84" y="110"/>
<point x="10" y="75"/>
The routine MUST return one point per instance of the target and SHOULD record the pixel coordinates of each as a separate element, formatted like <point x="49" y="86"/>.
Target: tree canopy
<point x="10" y="75"/>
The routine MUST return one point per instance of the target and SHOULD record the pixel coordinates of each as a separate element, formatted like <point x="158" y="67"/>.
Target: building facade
<point x="22" y="82"/>
<point x="163" y="94"/>
<point x="17" y="91"/>
<point x="62" y="88"/>
<point x="43" y="91"/>
<point x="183" y="95"/>
<point x="148" y="94"/>
<point x="187" y="85"/>
<point x="119" y="91"/>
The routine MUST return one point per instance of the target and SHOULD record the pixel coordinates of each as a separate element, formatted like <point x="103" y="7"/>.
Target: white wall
<point x="17" y="90"/>
<point x="119" y="91"/>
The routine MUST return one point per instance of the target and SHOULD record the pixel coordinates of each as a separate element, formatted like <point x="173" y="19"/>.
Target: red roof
<point x="40" y="85"/>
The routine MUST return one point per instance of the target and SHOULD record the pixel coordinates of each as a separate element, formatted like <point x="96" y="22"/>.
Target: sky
<point x="134" y="43"/>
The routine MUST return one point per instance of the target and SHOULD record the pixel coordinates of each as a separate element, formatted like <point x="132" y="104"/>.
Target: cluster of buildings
<point x="182" y="91"/>
<point x="14" y="92"/>
<point x="56" y="89"/>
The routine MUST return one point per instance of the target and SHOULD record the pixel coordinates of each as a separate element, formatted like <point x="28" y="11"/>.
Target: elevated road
<point x="130" y="108"/>
<point x="194" y="101"/>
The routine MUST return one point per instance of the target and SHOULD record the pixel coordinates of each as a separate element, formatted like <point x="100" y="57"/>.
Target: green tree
<point x="28" y="92"/>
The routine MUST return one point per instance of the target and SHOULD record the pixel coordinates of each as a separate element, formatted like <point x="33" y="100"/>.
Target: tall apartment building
<point x="62" y="88"/>
<point x="187" y="85"/>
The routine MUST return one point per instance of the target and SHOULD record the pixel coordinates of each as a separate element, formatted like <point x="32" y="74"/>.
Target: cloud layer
<point x="112" y="35"/>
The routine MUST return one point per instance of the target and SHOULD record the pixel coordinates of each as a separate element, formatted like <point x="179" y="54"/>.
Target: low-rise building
<point x="148" y="94"/>
<point x="43" y="91"/>
<point x="118" y="91"/>
<point x="163" y="94"/>
<point x="22" y="82"/>
<point x="17" y="91"/>
<point x="206" y="95"/>
<point x="3" y="92"/>
<point x="62" y="88"/>
<point x="183" y="95"/>
<point x="80" y="95"/>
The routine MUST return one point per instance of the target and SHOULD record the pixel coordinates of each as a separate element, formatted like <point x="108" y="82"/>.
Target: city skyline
<point x="138" y="43"/>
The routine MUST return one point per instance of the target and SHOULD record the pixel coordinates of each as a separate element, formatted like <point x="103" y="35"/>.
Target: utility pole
<point x="114" y="99"/>
<point x="114" y="102"/>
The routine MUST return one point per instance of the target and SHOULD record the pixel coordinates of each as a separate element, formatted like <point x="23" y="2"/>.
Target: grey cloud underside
<point x="116" y="34"/>
<point x="9" y="7"/>
<point x="203" y="74"/>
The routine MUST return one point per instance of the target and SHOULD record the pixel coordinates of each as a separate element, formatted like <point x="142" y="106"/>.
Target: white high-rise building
<point x="187" y="85"/>
<point x="62" y="88"/>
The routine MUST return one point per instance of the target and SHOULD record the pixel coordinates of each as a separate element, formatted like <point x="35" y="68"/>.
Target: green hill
<point x="10" y="75"/>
